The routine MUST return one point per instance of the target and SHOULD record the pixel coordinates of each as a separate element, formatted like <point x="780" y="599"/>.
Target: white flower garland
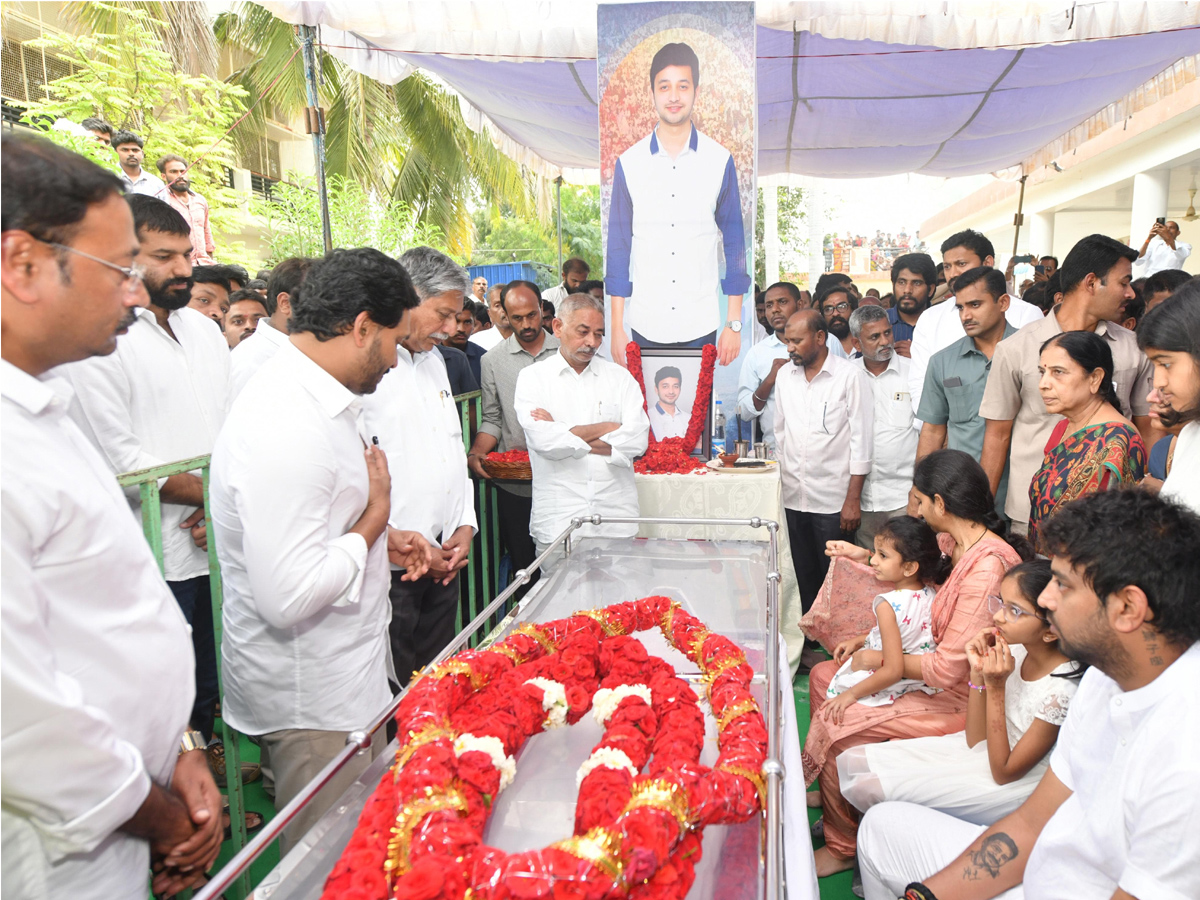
<point x="493" y="747"/>
<point x="606" y="701"/>
<point x="554" y="702"/>
<point x="609" y="757"/>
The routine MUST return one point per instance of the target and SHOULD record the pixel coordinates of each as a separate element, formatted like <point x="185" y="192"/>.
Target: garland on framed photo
<point x="673" y="455"/>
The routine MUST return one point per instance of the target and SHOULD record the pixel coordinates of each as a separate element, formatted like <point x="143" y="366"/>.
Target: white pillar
<point x="1041" y="233"/>
<point x="1149" y="202"/>
<point x="770" y="235"/>
<point x="814" y="209"/>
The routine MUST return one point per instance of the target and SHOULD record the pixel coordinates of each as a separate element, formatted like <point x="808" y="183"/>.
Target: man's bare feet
<point x="813" y="799"/>
<point x="828" y="864"/>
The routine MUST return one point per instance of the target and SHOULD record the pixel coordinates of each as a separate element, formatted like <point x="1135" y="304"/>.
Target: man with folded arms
<point x="99" y="776"/>
<point x="300" y="503"/>
<point x="585" y="423"/>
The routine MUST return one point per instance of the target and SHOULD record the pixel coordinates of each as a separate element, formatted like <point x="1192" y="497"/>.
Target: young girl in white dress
<point x="906" y="555"/>
<point x="1019" y="680"/>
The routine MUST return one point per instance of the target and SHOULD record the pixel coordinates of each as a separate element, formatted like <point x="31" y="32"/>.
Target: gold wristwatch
<point x="192" y="740"/>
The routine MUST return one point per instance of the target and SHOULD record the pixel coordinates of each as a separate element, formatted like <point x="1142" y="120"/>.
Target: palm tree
<point x="408" y="140"/>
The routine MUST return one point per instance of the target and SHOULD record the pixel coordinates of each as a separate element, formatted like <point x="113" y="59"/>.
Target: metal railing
<point x="359" y="740"/>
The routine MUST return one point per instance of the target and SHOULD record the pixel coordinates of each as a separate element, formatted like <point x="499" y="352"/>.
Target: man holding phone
<point x="1162" y="249"/>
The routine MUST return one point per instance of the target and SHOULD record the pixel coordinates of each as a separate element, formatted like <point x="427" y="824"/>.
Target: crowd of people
<point x="968" y="453"/>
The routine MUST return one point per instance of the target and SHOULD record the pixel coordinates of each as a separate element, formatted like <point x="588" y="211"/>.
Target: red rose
<point x="422" y="882"/>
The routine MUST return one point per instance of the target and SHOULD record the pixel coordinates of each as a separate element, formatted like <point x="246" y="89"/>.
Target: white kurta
<point x="249" y="355"/>
<point x="96" y="661"/>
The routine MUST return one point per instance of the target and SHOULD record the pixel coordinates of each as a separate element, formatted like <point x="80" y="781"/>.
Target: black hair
<point x="919" y="264"/>
<point x="161" y="164"/>
<point x="1091" y="352"/>
<point x="1165" y="280"/>
<point x="256" y="284"/>
<point x="973" y="241"/>
<point x="94" y="124"/>
<point x="667" y="372"/>
<point x="1096" y="255"/>
<point x="211" y="275"/>
<point x="247" y="294"/>
<point x="504" y="289"/>
<point x="1031" y="576"/>
<point x="1132" y="537"/>
<point x="481" y="313"/>
<point x="286" y="278"/>
<point x="787" y="286"/>
<point x="960" y="481"/>
<point x="679" y="54"/>
<point x="547" y="309"/>
<point x="575" y="264"/>
<point x="1040" y="295"/>
<point x="830" y="291"/>
<point x="993" y="281"/>
<point x="238" y="273"/>
<point x="916" y="542"/>
<point x="47" y="188"/>
<point x="346" y="283"/>
<point x="1174" y="326"/>
<point x="826" y="280"/>
<point x="590" y="285"/>
<point x="1135" y="309"/>
<point x="127" y="137"/>
<point x="1055" y="258"/>
<point x="152" y="214"/>
<point x="264" y="274"/>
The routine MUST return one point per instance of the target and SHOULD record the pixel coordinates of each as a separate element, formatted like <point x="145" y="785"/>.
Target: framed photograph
<point x="670" y="377"/>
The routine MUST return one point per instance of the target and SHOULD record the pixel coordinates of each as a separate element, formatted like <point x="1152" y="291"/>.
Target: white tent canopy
<point x="844" y="89"/>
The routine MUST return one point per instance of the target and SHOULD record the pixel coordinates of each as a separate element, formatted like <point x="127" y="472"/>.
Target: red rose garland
<point x="510" y="456"/>
<point x="674" y="454"/>
<point x="636" y="835"/>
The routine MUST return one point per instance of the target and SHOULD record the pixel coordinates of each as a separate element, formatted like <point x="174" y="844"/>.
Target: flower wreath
<point x="674" y="454"/>
<point x="639" y="836"/>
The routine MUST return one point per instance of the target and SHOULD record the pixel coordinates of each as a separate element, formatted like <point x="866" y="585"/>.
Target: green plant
<point x="791" y="234"/>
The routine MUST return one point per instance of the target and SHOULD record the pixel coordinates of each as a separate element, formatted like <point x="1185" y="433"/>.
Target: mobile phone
<point x="1022" y="259"/>
<point x="1041" y="270"/>
<point x="1161" y="220"/>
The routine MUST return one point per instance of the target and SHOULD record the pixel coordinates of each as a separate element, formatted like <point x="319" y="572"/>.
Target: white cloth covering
<point x="306" y="603"/>
<point x="248" y="356"/>
<point x="1183" y="481"/>
<point x="156" y="400"/>
<point x="96" y="661"/>
<point x="941" y="772"/>
<point x="940" y="326"/>
<point x="823" y="432"/>
<point x="895" y="439"/>
<point x="414" y="415"/>
<point x="914" y="616"/>
<point x="568" y="479"/>
<point x="488" y="338"/>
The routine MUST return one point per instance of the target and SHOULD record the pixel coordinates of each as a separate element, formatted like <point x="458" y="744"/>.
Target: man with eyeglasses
<point x="160" y="398"/>
<point x="835" y="304"/>
<point x="100" y="776"/>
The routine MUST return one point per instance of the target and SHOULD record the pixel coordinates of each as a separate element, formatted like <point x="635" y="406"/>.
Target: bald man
<point x="824" y="422"/>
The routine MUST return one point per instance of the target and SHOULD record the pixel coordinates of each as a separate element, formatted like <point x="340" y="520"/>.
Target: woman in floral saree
<point x="1094" y="448"/>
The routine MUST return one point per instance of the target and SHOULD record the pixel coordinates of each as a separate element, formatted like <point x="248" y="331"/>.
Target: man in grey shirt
<point x="500" y="429"/>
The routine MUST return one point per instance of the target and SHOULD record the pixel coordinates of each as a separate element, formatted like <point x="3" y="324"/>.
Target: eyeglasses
<point x="134" y="275"/>
<point x="841" y="307"/>
<point x="1011" y="612"/>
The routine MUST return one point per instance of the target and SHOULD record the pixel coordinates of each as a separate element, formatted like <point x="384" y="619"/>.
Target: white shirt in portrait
<point x="568" y="479"/>
<point x="666" y="424"/>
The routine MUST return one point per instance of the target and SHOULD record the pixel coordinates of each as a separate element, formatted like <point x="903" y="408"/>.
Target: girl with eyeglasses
<point x="1020" y="687"/>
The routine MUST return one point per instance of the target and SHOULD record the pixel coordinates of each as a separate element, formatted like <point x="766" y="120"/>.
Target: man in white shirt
<point x="1162" y="249"/>
<point x="300" y="504"/>
<point x="128" y="147"/>
<point x="675" y="206"/>
<point x="1115" y="814"/>
<point x="96" y="662"/>
<point x="668" y="417"/>
<point x="940" y="325"/>
<point x="575" y="272"/>
<point x="885" y="491"/>
<point x="500" y="330"/>
<point x="419" y="428"/>
<point x="760" y="368"/>
<point x="584" y="424"/>
<point x="835" y="304"/>
<point x="272" y="332"/>
<point x="824" y="422"/>
<point x="160" y="398"/>
<point x="479" y="289"/>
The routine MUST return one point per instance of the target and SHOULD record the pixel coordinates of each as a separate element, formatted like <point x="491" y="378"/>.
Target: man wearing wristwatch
<point x="675" y="206"/>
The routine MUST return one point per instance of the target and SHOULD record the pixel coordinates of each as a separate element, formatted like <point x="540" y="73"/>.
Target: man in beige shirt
<point x="1095" y="280"/>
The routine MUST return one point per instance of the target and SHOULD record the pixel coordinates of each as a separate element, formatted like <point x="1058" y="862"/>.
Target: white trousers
<point x="899" y="843"/>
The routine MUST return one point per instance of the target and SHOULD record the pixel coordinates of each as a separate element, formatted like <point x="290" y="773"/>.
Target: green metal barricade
<point x="146" y="480"/>
<point x="482" y="581"/>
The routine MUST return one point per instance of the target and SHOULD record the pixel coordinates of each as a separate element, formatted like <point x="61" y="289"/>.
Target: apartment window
<point x="25" y="70"/>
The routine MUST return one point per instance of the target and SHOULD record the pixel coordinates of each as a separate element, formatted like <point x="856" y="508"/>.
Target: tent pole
<point x="1019" y="218"/>
<point x="316" y="125"/>
<point x="558" y="202"/>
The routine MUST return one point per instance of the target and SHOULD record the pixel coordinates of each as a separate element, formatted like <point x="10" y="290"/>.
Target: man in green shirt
<point x="955" y="379"/>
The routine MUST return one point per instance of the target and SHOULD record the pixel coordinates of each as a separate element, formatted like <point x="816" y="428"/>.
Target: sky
<point x="893" y="202"/>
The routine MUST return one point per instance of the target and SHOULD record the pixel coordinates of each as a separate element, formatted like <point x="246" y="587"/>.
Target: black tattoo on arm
<point x="994" y="852"/>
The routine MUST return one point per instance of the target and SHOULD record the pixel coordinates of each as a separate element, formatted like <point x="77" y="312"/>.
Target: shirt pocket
<point x="829" y="416"/>
<point x="963" y="401"/>
<point x="897" y="409"/>
<point x="609" y="412"/>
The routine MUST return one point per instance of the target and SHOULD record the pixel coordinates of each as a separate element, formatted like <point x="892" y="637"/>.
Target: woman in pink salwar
<point x="954" y="498"/>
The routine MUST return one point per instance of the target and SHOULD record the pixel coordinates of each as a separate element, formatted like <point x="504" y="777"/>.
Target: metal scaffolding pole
<point x="315" y="122"/>
<point x="1019" y="218"/>
<point x="558" y="202"/>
